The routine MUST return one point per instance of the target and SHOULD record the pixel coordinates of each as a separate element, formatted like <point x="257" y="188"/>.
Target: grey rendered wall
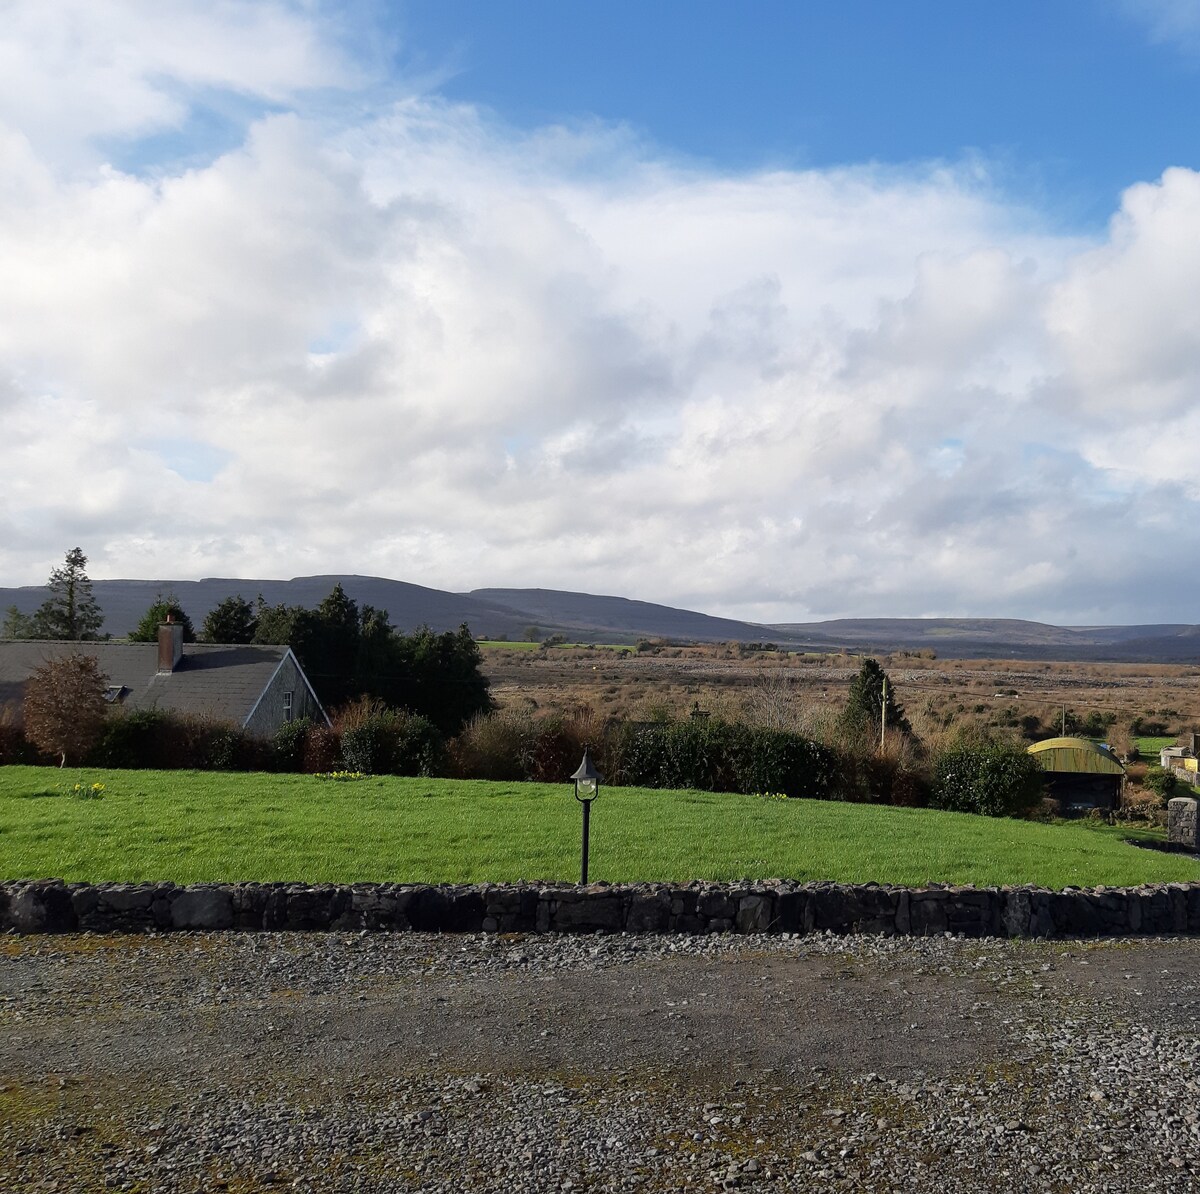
<point x="271" y="714"/>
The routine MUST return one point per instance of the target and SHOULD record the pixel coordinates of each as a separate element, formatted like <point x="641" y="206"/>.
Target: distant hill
<point x="927" y="632"/>
<point x="621" y="616"/>
<point x="409" y="606"/>
<point x="493" y="613"/>
<point x="1004" y="637"/>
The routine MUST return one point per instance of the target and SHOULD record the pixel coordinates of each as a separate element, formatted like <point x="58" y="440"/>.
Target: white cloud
<point x="1176" y="21"/>
<point x="428" y="346"/>
<point x="73" y="70"/>
<point x="1124" y="316"/>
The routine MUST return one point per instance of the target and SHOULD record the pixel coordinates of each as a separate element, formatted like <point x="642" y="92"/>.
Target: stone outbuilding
<point x="1080" y="774"/>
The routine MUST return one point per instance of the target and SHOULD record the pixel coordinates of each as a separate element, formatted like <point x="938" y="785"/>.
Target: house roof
<point x="210" y="680"/>
<point x="1077" y="755"/>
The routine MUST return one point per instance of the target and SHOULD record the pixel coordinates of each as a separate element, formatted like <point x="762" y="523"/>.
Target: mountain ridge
<point x="509" y="612"/>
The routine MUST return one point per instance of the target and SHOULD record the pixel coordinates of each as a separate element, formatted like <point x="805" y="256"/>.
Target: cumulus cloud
<point x="428" y="346"/>
<point x="1124" y="314"/>
<point x="77" y="70"/>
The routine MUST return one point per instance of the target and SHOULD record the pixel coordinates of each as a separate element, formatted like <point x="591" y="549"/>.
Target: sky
<point x="777" y="309"/>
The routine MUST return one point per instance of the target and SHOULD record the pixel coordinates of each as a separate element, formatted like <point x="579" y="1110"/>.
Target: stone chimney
<point x="170" y="645"/>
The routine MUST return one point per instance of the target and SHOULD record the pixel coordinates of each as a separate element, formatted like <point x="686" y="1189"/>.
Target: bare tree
<point x="772" y="702"/>
<point x="65" y="706"/>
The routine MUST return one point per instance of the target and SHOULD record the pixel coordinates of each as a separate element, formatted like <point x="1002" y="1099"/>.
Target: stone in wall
<point x="1181" y="822"/>
<point x="772" y="906"/>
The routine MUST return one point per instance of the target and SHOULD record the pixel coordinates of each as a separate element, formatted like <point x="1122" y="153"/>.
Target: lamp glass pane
<point x="585" y="788"/>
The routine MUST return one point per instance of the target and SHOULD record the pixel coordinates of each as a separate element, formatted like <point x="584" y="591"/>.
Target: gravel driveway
<point x="398" y="1062"/>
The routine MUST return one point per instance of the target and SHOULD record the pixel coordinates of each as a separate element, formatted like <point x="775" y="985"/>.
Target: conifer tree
<point x="230" y="621"/>
<point x="70" y="612"/>
<point x="864" y="705"/>
<point x="156" y="615"/>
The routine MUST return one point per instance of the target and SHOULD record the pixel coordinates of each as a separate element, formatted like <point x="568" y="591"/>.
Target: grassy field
<point x="1148" y="748"/>
<point x="194" y="826"/>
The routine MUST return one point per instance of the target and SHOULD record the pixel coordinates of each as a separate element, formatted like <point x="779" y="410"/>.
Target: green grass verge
<point x="1148" y="748"/>
<point x="190" y="826"/>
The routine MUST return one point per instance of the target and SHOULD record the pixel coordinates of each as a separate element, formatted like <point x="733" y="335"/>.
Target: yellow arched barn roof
<point x="1076" y="755"/>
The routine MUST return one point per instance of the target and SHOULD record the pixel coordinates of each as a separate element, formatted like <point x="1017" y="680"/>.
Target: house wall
<point x="271" y="712"/>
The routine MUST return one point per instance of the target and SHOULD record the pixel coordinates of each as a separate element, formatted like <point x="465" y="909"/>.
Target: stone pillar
<point x="1181" y="822"/>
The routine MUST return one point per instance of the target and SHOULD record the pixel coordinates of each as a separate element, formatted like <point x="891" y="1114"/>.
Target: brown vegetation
<point x="786" y="691"/>
<point x="946" y="700"/>
<point x="64" y="707"/>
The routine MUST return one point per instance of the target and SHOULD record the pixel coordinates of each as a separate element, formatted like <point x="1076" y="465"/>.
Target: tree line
<point x="348" y="652"/>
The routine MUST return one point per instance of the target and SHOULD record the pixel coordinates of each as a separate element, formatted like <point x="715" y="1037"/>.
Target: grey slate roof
<point x="221" y="682"/>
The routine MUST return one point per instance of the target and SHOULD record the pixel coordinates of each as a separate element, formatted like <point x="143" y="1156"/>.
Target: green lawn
<point x="1148" y="748"/>
<point x="192" y="826"/>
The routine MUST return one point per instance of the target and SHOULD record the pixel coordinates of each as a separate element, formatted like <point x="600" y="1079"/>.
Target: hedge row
<point x="710" y="755"/>
<point x="389" y="743"/>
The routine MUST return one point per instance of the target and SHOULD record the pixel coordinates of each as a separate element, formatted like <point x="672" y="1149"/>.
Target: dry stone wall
<point x="774" y="906"/>
<point x="1182" y="823"/>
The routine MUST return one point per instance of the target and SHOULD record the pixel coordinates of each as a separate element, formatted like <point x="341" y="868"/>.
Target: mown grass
<point x="1149" y="748"/>
<point x="191" y="826"/>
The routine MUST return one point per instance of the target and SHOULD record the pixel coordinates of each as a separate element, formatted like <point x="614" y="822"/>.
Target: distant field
<point x="522" y="645"/>
<point x="1148" y="748"/>
<point x="195" y="826"/>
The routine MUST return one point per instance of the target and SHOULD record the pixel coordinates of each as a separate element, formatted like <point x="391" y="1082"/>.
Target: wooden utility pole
<point x="883" y="719"/>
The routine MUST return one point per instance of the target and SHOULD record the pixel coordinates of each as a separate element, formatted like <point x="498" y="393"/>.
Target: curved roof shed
<point x="1081" y="773"/>
<point x="1077" y="755"/>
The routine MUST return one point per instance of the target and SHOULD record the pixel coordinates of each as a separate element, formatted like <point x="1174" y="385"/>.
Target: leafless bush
<point x="1142" y="805"/>
<point x="64" y="707"/>
<point x="13" y="746"/>
<point x="493" y="746"/>
<point x="322" y="749"/>
<point x="772" y="703"/>
<point x="1121" y="740"/>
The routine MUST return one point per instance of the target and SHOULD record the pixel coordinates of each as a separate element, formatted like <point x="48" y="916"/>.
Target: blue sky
<point x="777" y="310"/>
<point x="1071" y="100"/>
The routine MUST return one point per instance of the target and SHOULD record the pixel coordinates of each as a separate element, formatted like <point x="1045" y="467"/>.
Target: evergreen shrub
<point x="288" y="745"/>
<point x="718" y="756"/>
<point x="379" y="741"/>
<point x="993" y="779"/>
<point x="132" y="740"/>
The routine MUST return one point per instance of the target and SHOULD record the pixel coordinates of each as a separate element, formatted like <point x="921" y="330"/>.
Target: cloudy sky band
<point x="270" y="306"/>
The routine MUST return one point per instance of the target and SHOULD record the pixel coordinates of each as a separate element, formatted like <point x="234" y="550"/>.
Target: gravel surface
<point x="404" y="1062"/>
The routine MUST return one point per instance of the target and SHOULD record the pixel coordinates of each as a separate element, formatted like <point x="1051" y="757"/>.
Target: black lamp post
<point x="587" y="788"/>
